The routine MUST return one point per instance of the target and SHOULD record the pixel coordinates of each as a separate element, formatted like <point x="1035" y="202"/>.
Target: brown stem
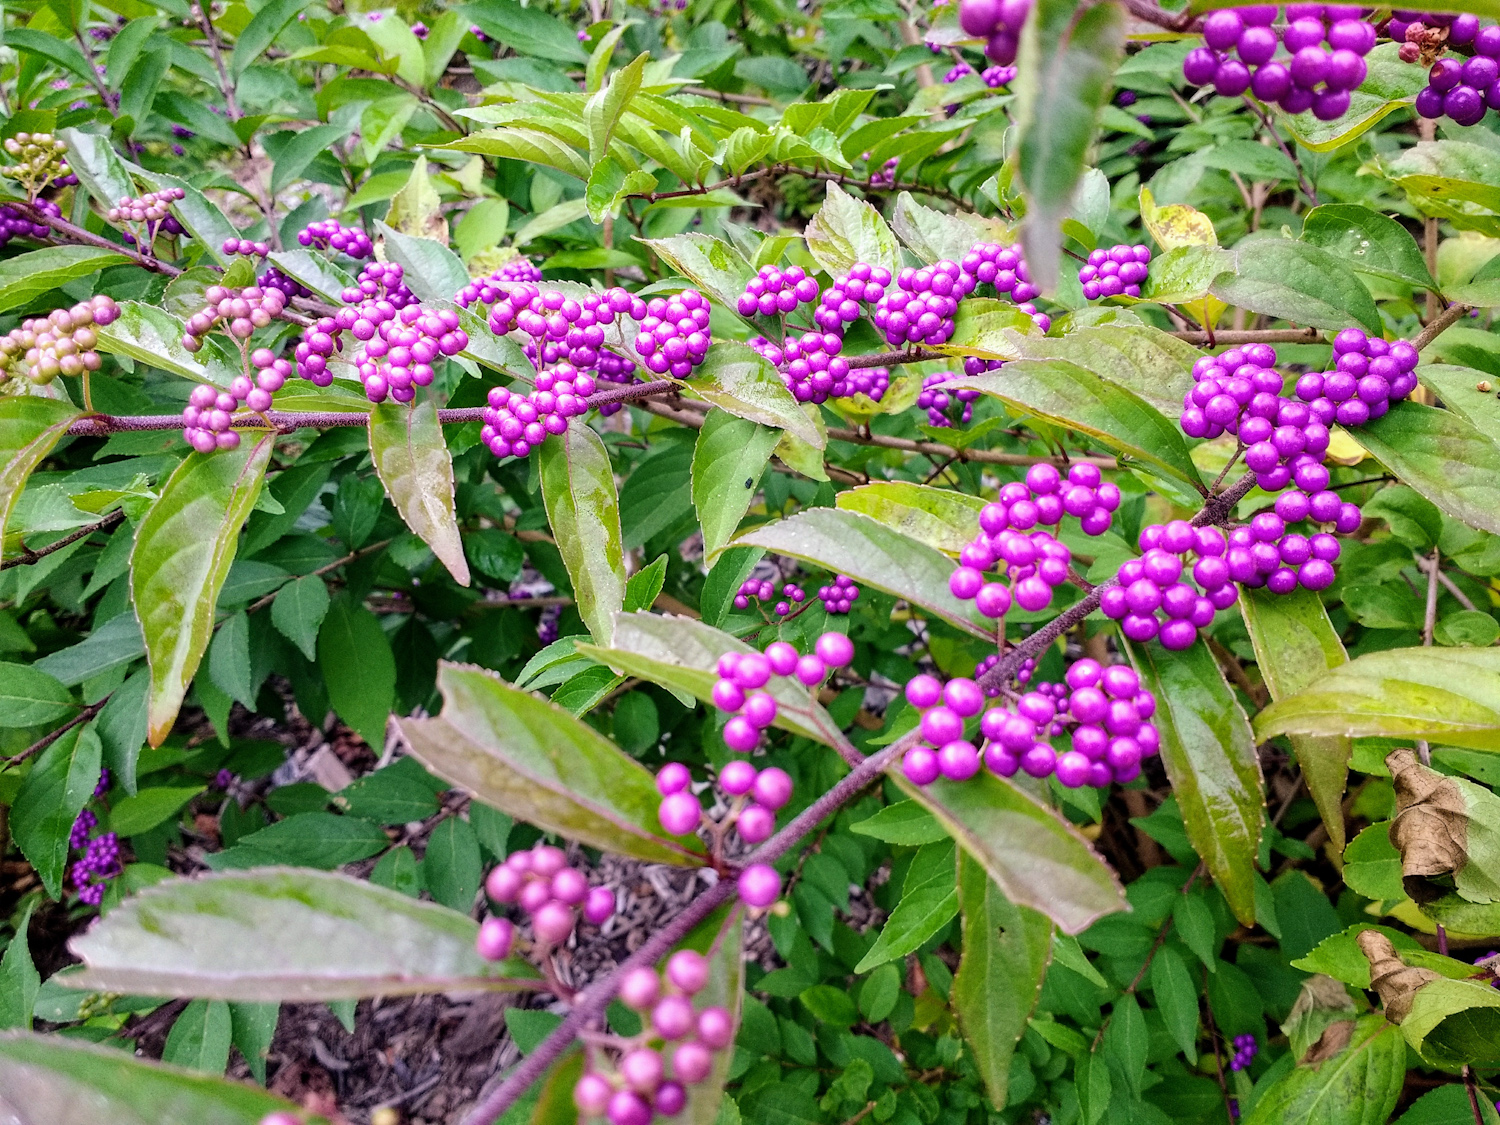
<point x="27" y="557"/>
<point x="1429" y="619"/>
<point x="1440" y="324"/>
<point x="1448" y="583"/>
<point x="1472" y="1089"/>
<point x="1249" y="336"/>
<point x="1307" y="188"/>
<point x="88" y="238"/>
<point x="225" y="86"/>
<point x="48" y="739"/>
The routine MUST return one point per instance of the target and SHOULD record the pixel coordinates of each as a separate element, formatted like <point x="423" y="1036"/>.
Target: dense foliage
<point x="1005" y="495"/>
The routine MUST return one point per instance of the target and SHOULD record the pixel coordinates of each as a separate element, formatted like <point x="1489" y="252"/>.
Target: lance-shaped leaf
<point x="1210" y="757"/>
<point x="847" y="230"/>
<point x="1443" y="457"/>
<point x="1358" y="1085"/>
<point x="288" y="934"/>
<point x="1445" y="827"/>
<point x="601" y="113"/>
<point x="1065" y="394"/>
<point x="528" y="757"/>
<point x="738" y="379"/>
<point x="1448" y="695"/>
<point x="1298" y="282"/>
<point x="1449" y="1022"/>
<point x="578" y="489"/>
<point x="1006" y="952"/>
<point x="413" y="462"/>
<point x="1176" y="226"/>
<point x="869" y="552"/>
<point x="728" y="459"/>
<point x="433" y="272"/>
<point x="1067" y="59"/>
<point x="30" y="275"/>
<point x="934" y="235"/>
<point x="51" y="1080"/>
<point x="710" y="263"/>
<point x="1145" y="361"/>
<point x="680" y="653"/>
<point x="1369" y="241"/>
<point x="941" y="518"/>
<point x="1035" y="857"/>
<point x="929" y="899"/>
<point x="531" y="145"/>
<point x="183" y="548"/>
<point x="29" y="427"/>
<point x="1295" y="643"/>
<point x="93" y="161"/>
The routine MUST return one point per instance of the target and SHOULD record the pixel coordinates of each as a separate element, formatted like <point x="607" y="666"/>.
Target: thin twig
<point x="27" y="556"/>
<point x="225" y="86"/>
<point x="369" y="549"/>
<point x="1250" y="336"/>
<point x="1307" y="188"/>
<point x="1471" y="1087"/>
<point x="1429" y="619"/>
<point x="1448" y="583"/>
<point x="48" y="739"/>
<point x="1441" y="323"/>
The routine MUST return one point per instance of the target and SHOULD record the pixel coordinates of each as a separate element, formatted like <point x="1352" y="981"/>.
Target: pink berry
<point x="773" y="788"/>
<point x="547" y="860"/>
<point x="503" y="884"/>
<point x="688" y="970"/>
<point x="569" y="886"/>
<point x="598" y="905"/>
<point x="680" y="813"/>
<point x="591" y="1094"/>
<point x="626" y="1107"/>
<point x="639" y="989"/>
<point x="672" y="778"/>
<point x="755" y="823"/>
<point x="759" y="885"/>
<point x="715" y="1029"/>
<point x="783" y="658"/>
<point x="728" y="695"/>
<point x="495" y="938"/>
<point x="642" y="1069"/>
<point x="923" y="691"/>
<point x="671" y="1099"/>
<point x="811" y="670"/>
<point x="534" y="895"/>
<point x="834" y="649"/>
<point x="737" y="777"/>
<point x="281" y="1117"/>
<point x="760" y="710"/>
<point x="672" y="1017"/>
<point x="692" y="1062"/>
<point x="552" y="923"/>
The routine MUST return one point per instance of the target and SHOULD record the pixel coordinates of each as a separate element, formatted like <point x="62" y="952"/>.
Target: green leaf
<point x="1443" y="178"/>
<point x="1035" y="857"/>
<point x="737" y="379"/>
<point x="929" y="900"/>
<point x="1125" y="1041"/>
<point x="298" y="612"/>
<point x="29" y="428"/>
<point x="1447" y="695"/>
<point x="527" y="31"/>
<point x="314" y="271"/>
<point x="183" y="548"/>
<point x="229" y="659"/>
<point x="1454" y="1023"/>
<point x="417" y="208"/>
<point x="728" y="459"/>
<point x="261" y="32"/>
<point x="294" y="935"/>
<point x="1068" y="395"/>
<point x="431" y="270"/>
<point x="850" y="543"/>
<point x="531" y="145"/>
<point x="138" y="91"/>
<point x="301" y="150"/>
<point x="1067" y="59"/>
<point x="714" y="266"/>
<point x="939" y="517"/>
<point x="1299" y="282"/>
<point x="1295" y="643"/>
<point x="680" y="654"/>
<point x="1210" y="757"/>
<point x="200" y="1037"/>
<point x="252" y="1029"/>
<point x="51" y="48"/>
<point x="529" y="758"/>
<point x="60" y="783"/>
<point x="66" y="1081"/>
<point x="847" y="230"/>
<point x="136" y="815"/>
<point x="153" y="336"/>
<point x="1006" y="949"/>
<point x="578" y="489"/>
<point x="905" y="822"/>
<point x="1443" y="457"/>
<point x="451" y="867"/>
<point x="645" y="585"/>
<point x="358" y="667"/>
<point x="19" y="980"/>
<point x="1358" y="1086"/>
<point x="122" y="723"/>
<point x="934" y="235"/>
<point x="601" y="113"/>
<point x="1369" y="241"/>
<point x="413" y="462"/>
<point x="1146" y="361"/>
<point x="30" y="697"/>
<point x="93" y="161"/>
<point x="305" y="839"/>
<point x="1176" y="998"/>
<point x="29" y="275"/>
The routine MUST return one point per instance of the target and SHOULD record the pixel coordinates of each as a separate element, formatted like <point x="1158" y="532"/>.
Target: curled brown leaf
<point x="1395" y="981"/>
<point x="1430" y="828"/>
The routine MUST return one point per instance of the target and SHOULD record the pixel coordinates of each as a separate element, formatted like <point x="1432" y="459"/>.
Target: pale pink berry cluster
<point x="1011" y="541"/>
<point x="756" y="795"/>
<point x="242" y="310"/>
<point x="649" y="1073"/>
<point x="743" y="676"/>
<point x="552" y="894"/>
<point x="60" y="343"/>
<point x="152" y="208"/>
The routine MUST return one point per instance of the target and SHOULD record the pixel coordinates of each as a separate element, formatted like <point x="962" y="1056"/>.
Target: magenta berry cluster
<point x="739" y="691"/>
<point x="937" y="401"/>
<point x="553" y="895"/>
<point x="246" y="247"/>
<point x="241" y="310"/>
<point x="810" y="364"/>
<point x="516" y="423"/>
<point x="675" y="1049"/>
<point x="840" y="595"/>
<point x="992" y="76"/>
<point x="380" y="281"/>
<point x="763" y="590"/>
<point x="920" y="308"/>
<point x="491" y="288"/>
<point x="1158" y="581"/>
<point x="777" y="292"/>
<point x="756" y="795"/>
<point x="1005" y="269"/>
<point x="1115" y="272"/>
<point x="998" y="23"/>
<point x="945" y="751"/>
<point x="1011" y="539"/>
<point x="673" y="336"/>
<point x="15" y="225"/>
<point x="841" y="303"/>
<point x="60" y="343"/>
<point x="1323" y="61"/>
<point x="561" y="329"/>
<point x="206" y="418"/>
<point x="885" y="175"/>
<point x="331" y="235"/>
<point x="1105" y="711"/>
<point x="273" y="278"/>
<point x="1245" y="1050"/>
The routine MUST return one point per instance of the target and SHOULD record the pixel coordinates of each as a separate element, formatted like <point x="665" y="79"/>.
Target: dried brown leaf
<point x="1430" y="828"/>
<point x="1395" y="981"/>
<point x="1334" y="1039"/>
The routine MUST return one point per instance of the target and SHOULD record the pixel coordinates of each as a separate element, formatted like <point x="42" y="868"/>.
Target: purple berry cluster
<point x="85" y="823"/>
<point x="767" y="790"/>
<point x="1005" y="269"/>
<point x="1156" y="582"/>
<point x="944" y="707"/>
<point x="998" y="23"/>
<point x="840" y="595"/>
<point x="1245" y="1050"/>
<point x="14" y="225"/>
<point x="674" y="335"/>
<point x="1115" y="272"/>
<point x="1107" y="713"/>
<point x="329" y="234"/>
<point x="743" y="676"/>
<point x="992" y="76"/>
<point x="1309" y="76"/>
<point x="763" y="590"/>
<point x="777" y="292"/>
<point x="206" y="418"/>
<point x="864" y="284"/>
<point x="273" y="278"/>
<point x="810" y="365"/>
<point x="921" y="307"/>
<point x="380" y="281"/>
<point x="60" y="343"/>
<point x="1458" y="88"/>
<point x="937" y="401"/>
<point x="634" y="1086"/>
<point x="885" y="175"/>
<point x="540" y="882"/>
<point x="516" y="423"/>
<point x="1010" y="538"/>
<point x="241" y="310"/>
<point x="246" y="247"/>
<point x="487" y="290"/>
